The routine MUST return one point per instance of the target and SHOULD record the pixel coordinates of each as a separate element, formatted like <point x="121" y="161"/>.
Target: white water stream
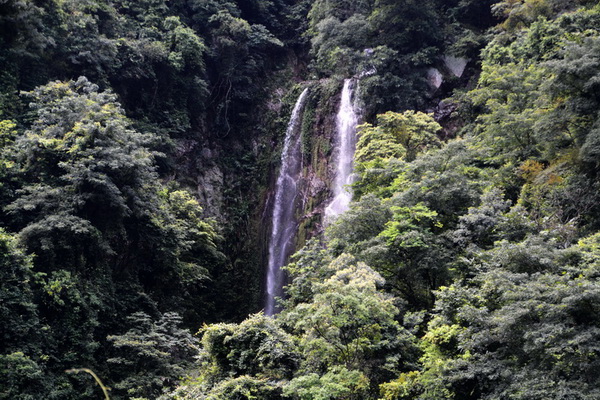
<point x="345" y="143"/>
<point x="285" y="226"/>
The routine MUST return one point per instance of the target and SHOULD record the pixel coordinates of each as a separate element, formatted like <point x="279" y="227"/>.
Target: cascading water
<point x="345" y="142"/>
<point x="286" y="190"/>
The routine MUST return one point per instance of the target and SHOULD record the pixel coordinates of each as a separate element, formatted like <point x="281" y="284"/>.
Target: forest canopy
<point x="139" y="145"/>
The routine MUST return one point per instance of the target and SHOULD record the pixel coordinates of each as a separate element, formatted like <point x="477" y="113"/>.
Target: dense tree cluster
<point x="81" y="193"/>
<point x="391" y="43"/>
<point x="110" y="260"/>
<point x="466" y="268"/>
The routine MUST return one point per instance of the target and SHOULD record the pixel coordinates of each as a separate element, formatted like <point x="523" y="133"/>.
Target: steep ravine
<point x="312" y="126"/>
<point x="237" y="186"/>
<point x="328" y="134"/>
<point x="304" y="201"/>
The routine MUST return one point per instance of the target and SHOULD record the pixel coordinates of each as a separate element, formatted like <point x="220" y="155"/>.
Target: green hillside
<point x="139" y="148"/>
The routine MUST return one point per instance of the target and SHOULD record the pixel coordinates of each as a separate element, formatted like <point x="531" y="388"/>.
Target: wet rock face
<point x="447" y="70"/>
<point x="445" y="114"/>
<point x="456" y="65"/>
<point x="276" y="102"/>
<point x="319" y="129"/>
<point x="197" y="168"/>
<point x="434" y="78"/>
<point x="444" y="110"/>
<point x="316" y="186"/>
<point x="210" y="190"/>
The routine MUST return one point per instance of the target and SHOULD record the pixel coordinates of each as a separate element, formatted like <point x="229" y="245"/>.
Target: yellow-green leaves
<point x="349" y="321"/>
<point x="397" y="135"/>
<point x="401" y="230"/>
<point x="7" y="132"/>
<point x="186" y="48"/>
<point x="337" y="383"/>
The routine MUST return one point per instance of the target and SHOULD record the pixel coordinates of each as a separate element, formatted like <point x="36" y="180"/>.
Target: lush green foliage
<point x="488" y="242"/>
<point x="338" y="342"/>
<point x="108" y="240"/>
<point x="400" y="136"/>
<point x="84" y="168"/>
<point x="151" y="355"/>
<point x="390" y="44"/>
<point x="466" y="268"/>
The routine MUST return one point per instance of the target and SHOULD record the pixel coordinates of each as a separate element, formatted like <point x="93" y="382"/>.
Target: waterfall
<point x="284" y="224"/>
<point x="345" y="142"/>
